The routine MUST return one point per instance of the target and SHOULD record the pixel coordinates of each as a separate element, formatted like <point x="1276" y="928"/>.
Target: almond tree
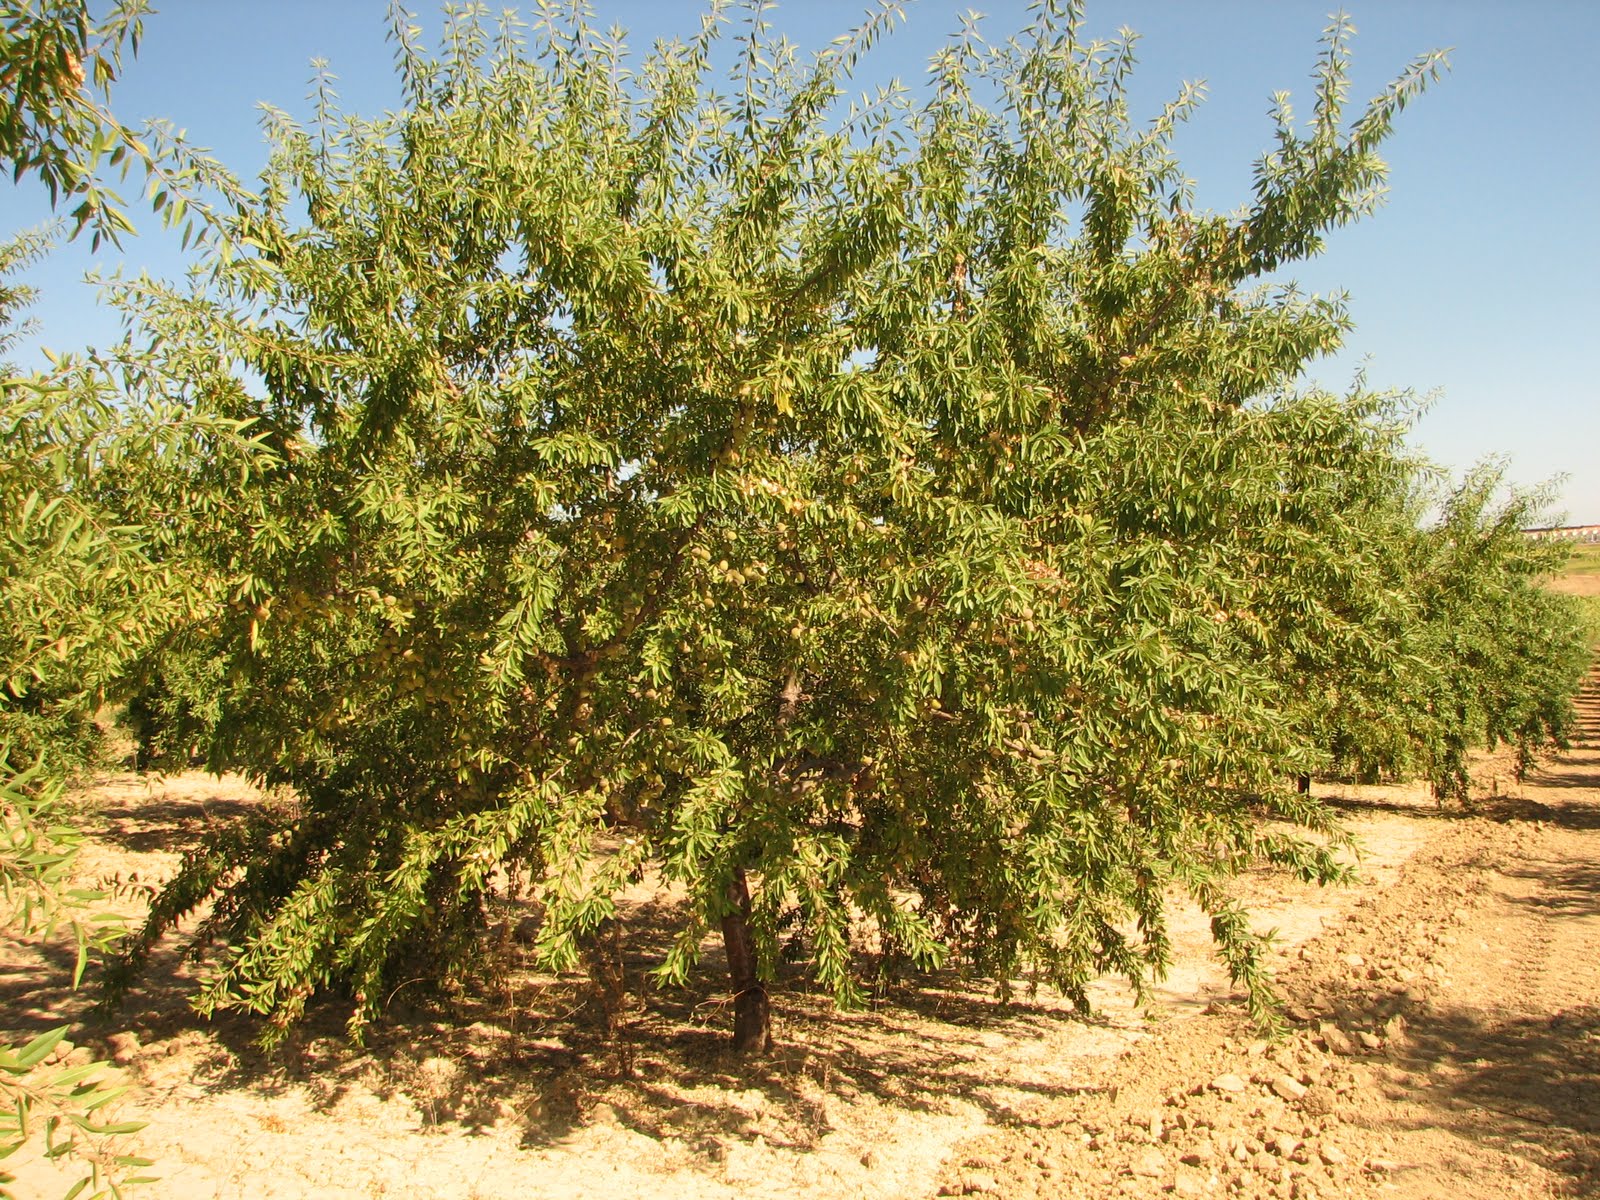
<point x="880" y="516"/>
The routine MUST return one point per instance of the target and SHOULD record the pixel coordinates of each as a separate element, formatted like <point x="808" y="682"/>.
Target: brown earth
<point x="1444" y="1041"/>
<point x="1576" y="585"/>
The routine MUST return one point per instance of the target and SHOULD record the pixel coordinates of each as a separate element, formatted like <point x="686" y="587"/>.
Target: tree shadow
<point x="1350" y="804"/>
<point x="547" y="1052"/>
<point x="1572" y="815"/>
<point x="1571" y="890"/>
<point x="1567" y="777"/>
<point x="1527" y="1085"/>
<point x="168" y="824"/>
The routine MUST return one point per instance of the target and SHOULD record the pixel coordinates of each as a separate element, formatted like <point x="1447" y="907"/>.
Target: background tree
<point x="1500" y="656"/>
<point x="88" y="583"/>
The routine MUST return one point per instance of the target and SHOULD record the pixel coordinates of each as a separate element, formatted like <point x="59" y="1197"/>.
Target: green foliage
<point x="90" y="579"/>
<point x="1584" y="561"/>
<point x="54" y="538"/>
<point x="1508" y="653"/>
<point x="86" y="575"/>
<point x="91" y="560"/>
<point x="173" y="702"/>
<point x="69" y="1104"/>
<point x="36" y="853"/>
<point x="54" y="60"/>
<point x="66" y="1103"/>
<point x="904" y="513"/>
<point x="57" y="66"/>
<point x="905" y="508"/>
<point x="1589" y="617"/>
<point x="1481" y="654"/>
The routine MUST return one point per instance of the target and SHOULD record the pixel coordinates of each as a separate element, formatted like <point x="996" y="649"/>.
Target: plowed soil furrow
<point x="1445" y="1041"/>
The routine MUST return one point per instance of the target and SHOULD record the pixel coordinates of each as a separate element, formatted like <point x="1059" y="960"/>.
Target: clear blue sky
<point x="1480" y="279"/>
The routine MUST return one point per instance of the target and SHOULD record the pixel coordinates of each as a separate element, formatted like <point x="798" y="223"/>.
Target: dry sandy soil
<point x="1576" y="585"/>
<point x="1444" y="1041"/>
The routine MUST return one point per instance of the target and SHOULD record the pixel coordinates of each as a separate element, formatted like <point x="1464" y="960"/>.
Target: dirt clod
<point x="124" y="1047"/>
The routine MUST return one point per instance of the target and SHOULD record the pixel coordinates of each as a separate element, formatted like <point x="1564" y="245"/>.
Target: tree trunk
<point x="752" y="1014"/>
<point x="1302" y="784"/>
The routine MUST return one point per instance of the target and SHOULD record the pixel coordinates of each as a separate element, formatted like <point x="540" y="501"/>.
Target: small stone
<point x="1189" y="1183"/>
<point x="1150" y="1164"/>
<point x="1381" y="1166"/>
<point x="977" y="1183"/>
<point x="1285" y="1146"/>
<point x="1317" y="1102"/>
<point x="1369" y="1040"/>
<point x="1288" y="1087"/>
<point x="124" y="1046"/>
<point x="1354" y="960"/>
<point x="1202" y="1152"/>
<point x="1228" y="1083"/>
<point x="1335" y="1039"/>
<point x="1334" y="1157"/>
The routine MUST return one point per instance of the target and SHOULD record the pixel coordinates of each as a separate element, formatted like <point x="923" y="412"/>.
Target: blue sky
<point x="1479" y="280"/>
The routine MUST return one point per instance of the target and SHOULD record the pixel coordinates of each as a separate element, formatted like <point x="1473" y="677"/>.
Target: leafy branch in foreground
<point x="65" y="1104"/>
<point x="88" y="582"/>
<point x="58" y="63"/>
<point x="83" y="585"/>
<point x="54" y="59"/>
<point x="45" y="722"/>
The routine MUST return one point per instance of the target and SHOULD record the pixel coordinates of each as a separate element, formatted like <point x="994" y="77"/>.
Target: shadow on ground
<point x="1528" y="1086"/>
<point x="549" y="1051"/>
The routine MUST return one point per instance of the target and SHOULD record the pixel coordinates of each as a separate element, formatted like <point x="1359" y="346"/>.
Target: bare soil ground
<point x="1444" y="1040"/>
<point x="1577" y="585"/>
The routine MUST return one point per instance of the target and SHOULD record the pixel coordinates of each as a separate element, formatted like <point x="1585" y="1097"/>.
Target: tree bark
<point x="752" y="1013"/>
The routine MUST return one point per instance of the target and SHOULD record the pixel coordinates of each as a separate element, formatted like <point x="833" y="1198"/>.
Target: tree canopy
<point x="897" y="518"/>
